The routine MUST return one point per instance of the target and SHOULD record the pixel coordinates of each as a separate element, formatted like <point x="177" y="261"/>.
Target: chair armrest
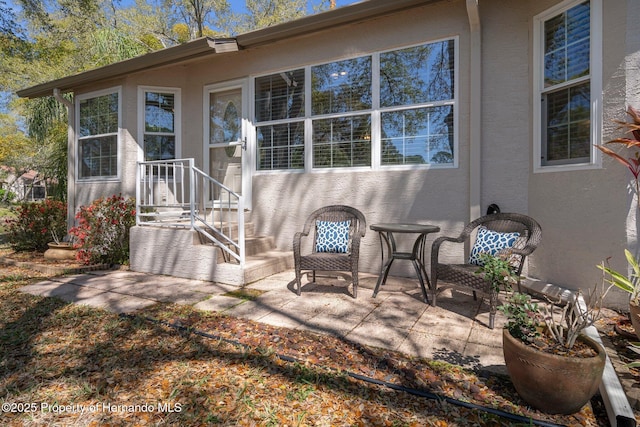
<point x="355" y="244"/>
<point x="435" y="246"/>
<point x="297" y="241"/>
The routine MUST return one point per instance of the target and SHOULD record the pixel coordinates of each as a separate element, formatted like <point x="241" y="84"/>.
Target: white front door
<point x="227" y="138"/>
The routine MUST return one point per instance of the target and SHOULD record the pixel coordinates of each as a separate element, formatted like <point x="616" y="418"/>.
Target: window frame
<point x="177" y="118"/>
<point x="118" y="134"/>
<point x="255" y="124"/>
<point x="594" y="78"/>
<point x="374" y="112"/>
<point x="453" y="102"/>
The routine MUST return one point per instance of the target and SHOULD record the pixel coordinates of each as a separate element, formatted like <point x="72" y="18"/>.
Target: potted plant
<point x="59" y="249"/>
<point x="552" y="365"/>
<point x="497" y="270"/>
<point x="628" y="283"/>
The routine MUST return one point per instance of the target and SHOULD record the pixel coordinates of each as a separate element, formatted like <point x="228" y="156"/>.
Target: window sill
<point x="97" y="180"/>
<point x="566" y="168"/>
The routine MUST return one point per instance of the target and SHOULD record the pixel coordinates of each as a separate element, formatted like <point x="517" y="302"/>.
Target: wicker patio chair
<point x="329" y="258"/>
<point x="464" y="275"/>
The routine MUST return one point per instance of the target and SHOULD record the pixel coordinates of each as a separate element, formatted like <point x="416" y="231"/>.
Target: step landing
<point x="180" y="253"/>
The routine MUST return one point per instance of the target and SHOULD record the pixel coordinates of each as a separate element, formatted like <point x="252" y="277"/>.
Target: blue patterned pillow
<point x="332" y="237"/>
<point x="490" y="242"/>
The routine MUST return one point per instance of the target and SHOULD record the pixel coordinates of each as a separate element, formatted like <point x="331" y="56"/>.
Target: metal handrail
<point x="170" y="192"/>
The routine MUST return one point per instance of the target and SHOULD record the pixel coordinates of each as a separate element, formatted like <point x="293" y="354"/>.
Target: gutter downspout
<point x="71" y="158"/>
<point x="475" y="110"/>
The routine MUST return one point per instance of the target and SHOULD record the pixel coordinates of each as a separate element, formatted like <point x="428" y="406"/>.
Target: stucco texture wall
<point x="506" y="109"/>
<point x="286" y="200"/>
<point x="584" y="214"/>
<point x="282" y="201"/>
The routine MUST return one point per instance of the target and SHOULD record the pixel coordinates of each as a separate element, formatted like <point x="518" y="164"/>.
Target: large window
<point x="99" y="122"/>
<point x="161" y="109"/>
<point x="340" y="91"/>
<point x="566" y="78"/>
<point x="280" y="113"/>
<point x="387" y="109"/>
<point x="424" y="77"/>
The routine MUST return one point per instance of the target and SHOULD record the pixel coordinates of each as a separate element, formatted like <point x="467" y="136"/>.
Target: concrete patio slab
<point x="286" y="319"/>
<point x="349" y="308"/>
<point x="326" y="323"/>
<point x="152" y="291"/>
<point x="251" y="310"/>
<point x="310" y="304"/>
<point x="65" y="291"/>
<point x="117" y="303"/>
<point x="218" y="303"/>
<point x="276" y="299"/>
<point x="105" y="283"/>
<point x="489" y="357"/>
<point x="392" y="317"/>
<point x="480" y="334"/>
<point x="445" y="348"/>
<point x="43" y="288"/>
<point x="376" y="335"/>
<point x="276" y="282"/>
<point x="211" y="288"/>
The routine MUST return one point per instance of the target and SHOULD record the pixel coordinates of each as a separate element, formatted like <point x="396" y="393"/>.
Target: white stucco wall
<point x="506" y="106"/>
<point x="583" y="213"/>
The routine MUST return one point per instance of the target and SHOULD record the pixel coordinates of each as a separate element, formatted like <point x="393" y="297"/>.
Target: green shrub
<point x="6" y="196"/>
<point x="102" y="231"/>
<point x="36" y="224"/>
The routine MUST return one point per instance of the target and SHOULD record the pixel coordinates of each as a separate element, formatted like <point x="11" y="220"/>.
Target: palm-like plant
<point x="630" y="283"/>
<point x="631" y="162"/>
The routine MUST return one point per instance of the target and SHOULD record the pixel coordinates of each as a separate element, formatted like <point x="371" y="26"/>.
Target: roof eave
<point x="194" y="49"/>
<point x="323" y="20"/>
<point x="207" y="46"/>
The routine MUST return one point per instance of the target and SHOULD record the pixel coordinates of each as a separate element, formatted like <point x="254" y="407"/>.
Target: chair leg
<point x="314" y="276"/>
<point x="354" y="276"/>
<point x="434" y="290"/>
<point x="493" y="307"/>
<point x="298" y="281"/>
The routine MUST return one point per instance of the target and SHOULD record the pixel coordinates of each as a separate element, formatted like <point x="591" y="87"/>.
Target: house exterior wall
<point x="282" y="200"/>
<point x="585" y="214"/>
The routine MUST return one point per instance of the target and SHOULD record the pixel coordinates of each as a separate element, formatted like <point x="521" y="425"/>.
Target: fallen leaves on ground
<point x="63" y="364"/>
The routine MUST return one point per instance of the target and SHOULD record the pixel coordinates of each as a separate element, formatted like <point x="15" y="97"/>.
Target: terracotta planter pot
<point x="634" y="314"/>
<point x="551" y="383"/>
<point x="60" y="251"/>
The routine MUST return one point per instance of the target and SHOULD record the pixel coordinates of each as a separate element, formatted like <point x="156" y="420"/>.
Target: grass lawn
<point x="5" y="212"/>
<point x="63" y="364"/>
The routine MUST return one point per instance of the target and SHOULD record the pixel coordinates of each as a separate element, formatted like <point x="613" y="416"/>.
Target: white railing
<point x="174" y="193"/>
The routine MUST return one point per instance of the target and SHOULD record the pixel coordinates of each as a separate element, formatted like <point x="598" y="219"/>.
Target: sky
<point x="238" y="5"/>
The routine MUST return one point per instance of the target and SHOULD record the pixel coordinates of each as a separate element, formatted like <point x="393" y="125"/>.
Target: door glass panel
<point x="225" y="140"/>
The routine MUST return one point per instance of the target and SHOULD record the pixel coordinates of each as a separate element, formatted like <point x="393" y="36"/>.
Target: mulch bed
<point x="618" y="333"/>
<point x="247" y="369"/>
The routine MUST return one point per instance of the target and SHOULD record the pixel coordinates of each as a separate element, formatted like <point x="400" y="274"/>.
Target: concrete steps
<point x="181" y="252"/>
<point x="262" y="259"/>
<point x="257" y="267"/>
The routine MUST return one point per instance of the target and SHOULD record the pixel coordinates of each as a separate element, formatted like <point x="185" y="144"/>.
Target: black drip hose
<point x="415" y="392"/>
